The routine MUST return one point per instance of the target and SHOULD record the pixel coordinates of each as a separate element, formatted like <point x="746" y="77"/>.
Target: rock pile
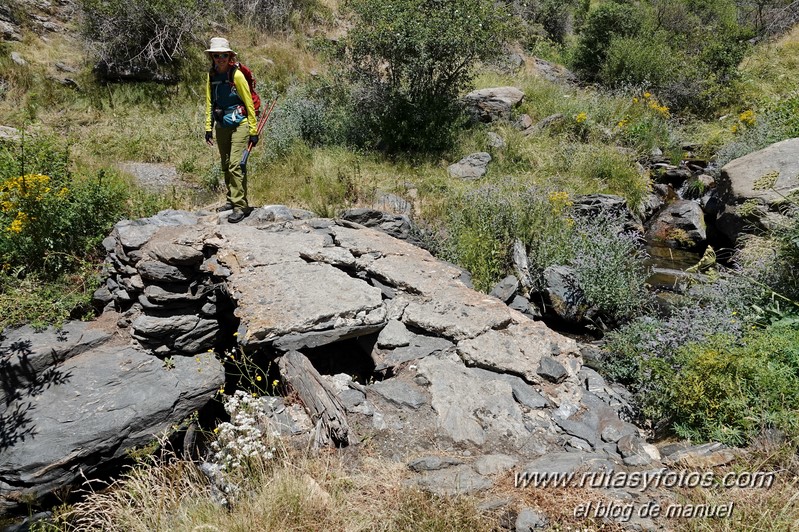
<point x="172" y="291"/>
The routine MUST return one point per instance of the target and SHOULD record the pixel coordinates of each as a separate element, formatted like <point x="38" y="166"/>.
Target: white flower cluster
<point x="242" y="438"/>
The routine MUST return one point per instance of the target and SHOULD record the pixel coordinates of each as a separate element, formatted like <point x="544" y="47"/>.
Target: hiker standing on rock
<point x="229" y="104"/>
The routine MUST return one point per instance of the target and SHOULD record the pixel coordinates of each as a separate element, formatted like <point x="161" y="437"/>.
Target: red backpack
<point x="248" y="75"/>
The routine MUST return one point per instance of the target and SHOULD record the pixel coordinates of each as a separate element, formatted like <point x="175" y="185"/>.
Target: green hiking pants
<point x="231" y="143"/>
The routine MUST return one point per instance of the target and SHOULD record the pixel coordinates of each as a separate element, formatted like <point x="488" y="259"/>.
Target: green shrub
<point x="50" y="224"/>
<point x="41" y="302"/>
<point x="610" y="268"/>
<point x="480" y="231"/>
<point x="413" y="58"/>
<point x="639" y="61"/>
<point x="608" y="21"/>
<point x="50" y="221"/>
<point x="729" y="391"/>
<point x="483" y="225"/>
<point x="642" y="353"/>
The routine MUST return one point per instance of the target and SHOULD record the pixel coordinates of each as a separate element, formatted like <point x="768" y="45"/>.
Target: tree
<point x="141" y="39"/>
<point x="413" y="58"/>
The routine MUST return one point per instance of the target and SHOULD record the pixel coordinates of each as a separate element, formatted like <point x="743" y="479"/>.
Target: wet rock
<point x="680" y="225"/>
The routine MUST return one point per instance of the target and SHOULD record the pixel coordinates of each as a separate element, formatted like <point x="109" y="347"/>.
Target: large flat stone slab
<point x="276" y="300"/>
<point x="26" y="356"/>
<point x="519" y="349"/>
<point x="105" y="401"/>
<point x="458" y="313"/>
<point x="255" y="247"/>
<point x="471" y="409"/>
<point x="426" y="277"/>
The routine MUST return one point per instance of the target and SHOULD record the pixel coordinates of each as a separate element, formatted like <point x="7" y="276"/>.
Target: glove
<point x="253" y="140"/>
<point x="209" y="136"/>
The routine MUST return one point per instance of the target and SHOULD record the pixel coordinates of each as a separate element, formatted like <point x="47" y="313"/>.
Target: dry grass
<point x="296" y="492"/>
<point x="754" y="508"/>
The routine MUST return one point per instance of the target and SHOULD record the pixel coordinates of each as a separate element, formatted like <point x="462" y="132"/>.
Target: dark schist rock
<point x="91" y="409"/>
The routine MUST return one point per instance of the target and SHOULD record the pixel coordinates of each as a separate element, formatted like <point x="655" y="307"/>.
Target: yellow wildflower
<point x="275" y="383"/>
<point x="747" y="118"/>
<point x="258" y="378"/>
<point x="581" y="117"/>
<point x="647" y="94"/>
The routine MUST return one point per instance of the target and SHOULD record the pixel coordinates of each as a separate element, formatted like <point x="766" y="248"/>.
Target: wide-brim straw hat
<point x="219" y="44"/>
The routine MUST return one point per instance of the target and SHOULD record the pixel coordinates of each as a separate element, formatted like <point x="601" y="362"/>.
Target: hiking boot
<point x="226" y="207"/>
<point x="237" y="216"/>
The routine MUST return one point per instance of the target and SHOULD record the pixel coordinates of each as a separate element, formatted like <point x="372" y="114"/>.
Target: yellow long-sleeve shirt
<point x="243" y="91"/>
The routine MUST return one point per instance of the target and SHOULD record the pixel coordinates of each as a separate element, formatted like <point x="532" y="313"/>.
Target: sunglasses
<point x="220" y="56"/>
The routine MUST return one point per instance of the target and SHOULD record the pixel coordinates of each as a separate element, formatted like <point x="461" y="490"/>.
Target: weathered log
<point x="318" y="399"/>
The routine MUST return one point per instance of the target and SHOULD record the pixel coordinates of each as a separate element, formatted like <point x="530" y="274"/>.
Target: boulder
<point x="553" y="72"/>
<point x="396" y="225"/>
<point x="613" y="207"/>
<point x="489" y="105"/>
<point x="505" y="289"/>
<point x="96" y="406"/>
<point x="680" y="225"/>
<point x="472" y="166"/>
<point x="564" y="295"/>
<point x="762" y="179"/>
<point x="742" y="178"/>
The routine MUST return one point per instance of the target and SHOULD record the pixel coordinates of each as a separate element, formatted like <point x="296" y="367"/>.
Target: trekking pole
<point x="261" y="124"/>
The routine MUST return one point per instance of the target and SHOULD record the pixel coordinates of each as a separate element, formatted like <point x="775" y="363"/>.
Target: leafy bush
<point x="318" y="113"/>
<point x="639" y="61"/>
<point x="641" y="352"/>
<point x="480" y="232"/>
<point x="687" y="51"/>
<point x="729" y="391"/>
<point x="608" y="21"/>
<point x="413" y="58"/>
<point x="49" y="222"/>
